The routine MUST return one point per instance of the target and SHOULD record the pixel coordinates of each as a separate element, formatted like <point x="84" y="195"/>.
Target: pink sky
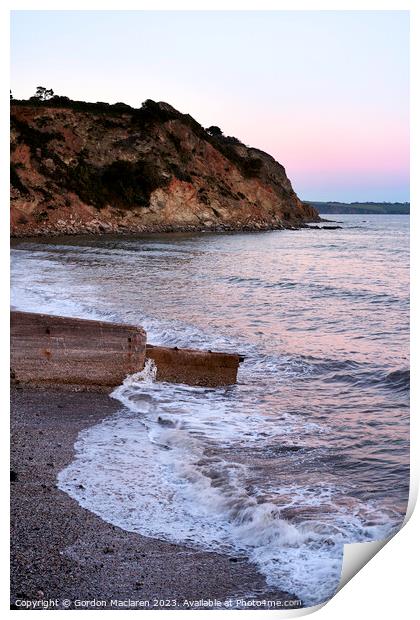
<point x="325" y="92"/>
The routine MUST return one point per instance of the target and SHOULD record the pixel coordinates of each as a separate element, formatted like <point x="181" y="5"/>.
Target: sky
<point x="325" y="92"/>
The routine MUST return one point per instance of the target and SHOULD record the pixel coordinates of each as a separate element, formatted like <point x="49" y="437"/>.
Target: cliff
<point x="92" y="168"/>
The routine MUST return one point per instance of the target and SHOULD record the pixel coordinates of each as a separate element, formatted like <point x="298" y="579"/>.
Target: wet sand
<point x="62" y="554"/>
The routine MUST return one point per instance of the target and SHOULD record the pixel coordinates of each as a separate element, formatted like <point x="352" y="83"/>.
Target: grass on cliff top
<point x="149" y="114"/>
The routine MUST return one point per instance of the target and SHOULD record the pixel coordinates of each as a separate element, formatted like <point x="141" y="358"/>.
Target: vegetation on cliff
<point x="78" y="166"/>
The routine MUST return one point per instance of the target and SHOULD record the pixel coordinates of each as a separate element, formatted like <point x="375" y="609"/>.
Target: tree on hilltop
<point x="43" y="94"/>
<point x="214" y="131"/>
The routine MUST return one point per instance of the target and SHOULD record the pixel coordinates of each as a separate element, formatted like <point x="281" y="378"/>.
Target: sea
<point x="309" y="450"/>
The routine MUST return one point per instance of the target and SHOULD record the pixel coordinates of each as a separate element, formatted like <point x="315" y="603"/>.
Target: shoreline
<point x="62" y="552"/>
<point x="120" y="231"/>
<point x="56" y="236"/>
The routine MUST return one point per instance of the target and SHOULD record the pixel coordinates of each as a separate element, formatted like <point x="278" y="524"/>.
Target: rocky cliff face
<point x="89" y="168"/>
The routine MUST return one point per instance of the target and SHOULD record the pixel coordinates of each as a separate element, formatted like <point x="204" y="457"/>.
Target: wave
<point x="165" y="467"/>
<point x="398" y="380"/>
<point x="318" y="290"/>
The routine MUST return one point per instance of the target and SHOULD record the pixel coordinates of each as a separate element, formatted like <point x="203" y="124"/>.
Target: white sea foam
<point x="165" y="467"/>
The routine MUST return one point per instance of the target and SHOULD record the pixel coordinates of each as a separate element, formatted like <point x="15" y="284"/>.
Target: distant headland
<point x="364" y="208"/>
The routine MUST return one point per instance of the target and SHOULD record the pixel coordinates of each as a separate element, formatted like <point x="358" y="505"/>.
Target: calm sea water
<point x="309" y="450"/>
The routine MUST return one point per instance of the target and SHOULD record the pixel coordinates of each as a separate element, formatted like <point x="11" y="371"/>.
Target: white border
<point x="386" y="586"/>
